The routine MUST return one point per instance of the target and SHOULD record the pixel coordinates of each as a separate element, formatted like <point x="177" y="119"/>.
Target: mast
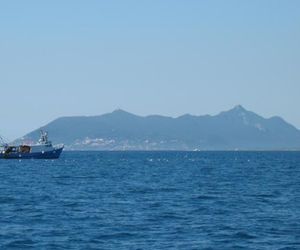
<point x="44" y="138"/>
<point x="2" y="141"/>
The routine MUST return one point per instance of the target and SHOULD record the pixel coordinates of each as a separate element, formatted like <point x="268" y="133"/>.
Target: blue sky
<point x="63" y="58"/>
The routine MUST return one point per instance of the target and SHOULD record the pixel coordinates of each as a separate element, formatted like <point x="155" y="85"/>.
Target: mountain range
<point x="236" y="129"/>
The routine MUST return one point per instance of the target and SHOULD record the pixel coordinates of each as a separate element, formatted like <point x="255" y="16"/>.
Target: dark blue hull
<point x="54" y="154"/>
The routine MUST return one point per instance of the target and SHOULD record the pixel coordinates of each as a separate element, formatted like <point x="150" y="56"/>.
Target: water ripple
<point x="152" y="200"/>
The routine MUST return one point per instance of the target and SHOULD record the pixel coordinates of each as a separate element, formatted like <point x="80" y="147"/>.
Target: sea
<point x="152" y="200"/>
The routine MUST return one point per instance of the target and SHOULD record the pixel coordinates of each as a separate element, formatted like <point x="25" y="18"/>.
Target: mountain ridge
<point x="234" y="129"/>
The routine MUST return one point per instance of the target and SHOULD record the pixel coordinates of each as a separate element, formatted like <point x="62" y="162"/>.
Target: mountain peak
<point x="121" y="114"/>
<point x="236" y="110"/>
<point x="120" y="111"/>
<point x="239" y="108"/>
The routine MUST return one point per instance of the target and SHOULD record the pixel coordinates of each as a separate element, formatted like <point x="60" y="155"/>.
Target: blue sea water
<point x="152" y="200"/>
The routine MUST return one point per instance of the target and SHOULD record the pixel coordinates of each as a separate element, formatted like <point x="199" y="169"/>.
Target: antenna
<point x="2" y="141"/>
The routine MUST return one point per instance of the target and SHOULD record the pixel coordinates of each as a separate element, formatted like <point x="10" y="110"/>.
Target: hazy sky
<point x="63" y="58"/>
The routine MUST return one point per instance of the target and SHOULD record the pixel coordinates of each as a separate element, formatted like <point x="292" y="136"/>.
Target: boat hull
<point x="52" y="154"/>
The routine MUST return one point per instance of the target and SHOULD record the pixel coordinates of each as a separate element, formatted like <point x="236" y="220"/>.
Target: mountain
<point x="237" y="128"/>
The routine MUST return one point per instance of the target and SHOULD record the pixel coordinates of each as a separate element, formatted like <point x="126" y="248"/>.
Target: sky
<point x="168" y="57"/>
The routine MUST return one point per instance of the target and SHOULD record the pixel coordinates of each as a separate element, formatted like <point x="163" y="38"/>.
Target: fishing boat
<point x="43" y="149"/>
